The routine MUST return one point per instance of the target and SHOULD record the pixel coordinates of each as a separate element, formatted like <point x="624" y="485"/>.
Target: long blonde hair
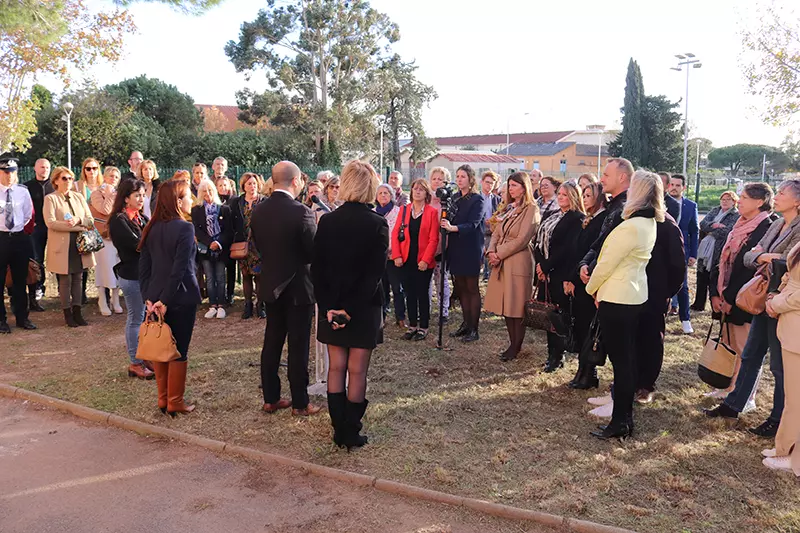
<point x="646" y="190"/>
<point x="574" y="195"/>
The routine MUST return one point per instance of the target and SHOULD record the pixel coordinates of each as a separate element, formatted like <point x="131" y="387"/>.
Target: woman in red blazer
<point x="414" y="243"/>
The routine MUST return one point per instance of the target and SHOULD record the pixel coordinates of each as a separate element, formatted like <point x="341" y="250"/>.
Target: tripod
<point x="442" y="279"/>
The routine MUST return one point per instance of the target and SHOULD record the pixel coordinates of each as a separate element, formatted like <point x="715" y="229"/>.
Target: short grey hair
<point x="793" y="185"/>
<point x="220" y="158"/>
<point x="324" y="174"/>
<point x="393" y="172"/>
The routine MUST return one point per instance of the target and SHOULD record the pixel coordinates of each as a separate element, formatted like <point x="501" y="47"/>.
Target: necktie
<point x="9" y="210"/>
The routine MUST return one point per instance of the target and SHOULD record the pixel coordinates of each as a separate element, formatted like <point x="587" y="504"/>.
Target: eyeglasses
<point x="90" y="168"/>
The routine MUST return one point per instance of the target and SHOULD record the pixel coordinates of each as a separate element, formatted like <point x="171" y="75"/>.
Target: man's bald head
<point x="284" y="173"/>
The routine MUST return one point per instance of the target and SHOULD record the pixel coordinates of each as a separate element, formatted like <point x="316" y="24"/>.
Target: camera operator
<point x="465" y="249"/>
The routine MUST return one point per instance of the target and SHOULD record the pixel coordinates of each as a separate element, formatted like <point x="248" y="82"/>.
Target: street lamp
<point x="508" y="130"/>
<point x="599" y="129"/>
<point x="68" y="107"/>
<point x="689" y="61"/>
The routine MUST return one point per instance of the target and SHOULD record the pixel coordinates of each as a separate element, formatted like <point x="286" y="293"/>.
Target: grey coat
<point x="774" y="242"/>
<point x="720" y="234"/>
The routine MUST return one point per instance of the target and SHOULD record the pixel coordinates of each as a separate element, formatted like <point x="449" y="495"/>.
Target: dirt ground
<point x="456" y="420"/>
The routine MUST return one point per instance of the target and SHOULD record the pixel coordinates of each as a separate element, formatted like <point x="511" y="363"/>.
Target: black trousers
<point x="555" y="293"/>
<point x="230" y="278"/>
<point x="416" y="285"/>
<point x="15" y="251"/>
<point x="701" y="292"/>
<point x="583" y="309"/>
<point x="284" y="318"/>
<point x="618" y="324"/>
<point x="39" y="241"/>
<point x="650" y="346"/>
<point x="180" y="319"/>
<point x="392" y="281"/>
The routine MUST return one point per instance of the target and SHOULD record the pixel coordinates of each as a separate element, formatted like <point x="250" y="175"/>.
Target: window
<point x="536" y="165"/>
<point x="582" y="163"/>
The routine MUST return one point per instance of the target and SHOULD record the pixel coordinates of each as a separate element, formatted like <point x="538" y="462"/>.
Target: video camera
<point x="445" y="196"/>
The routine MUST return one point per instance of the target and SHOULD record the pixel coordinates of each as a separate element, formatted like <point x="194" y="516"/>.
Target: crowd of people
<point x="611" y="254"/>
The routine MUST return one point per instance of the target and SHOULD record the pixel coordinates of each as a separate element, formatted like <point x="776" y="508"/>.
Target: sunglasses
<point x="67" y="178"/>
<point x="334" y="187"/>
<point x="90" y="168"/>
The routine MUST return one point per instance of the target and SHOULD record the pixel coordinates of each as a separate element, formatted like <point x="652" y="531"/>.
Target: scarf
<point x="385" y="209"/>
<point x="546" y="231"/>
<point x="212" y="220"/>
<point x="705" y="252"/>
<point x="134" y="216"/>
<point x="733" y="245"/>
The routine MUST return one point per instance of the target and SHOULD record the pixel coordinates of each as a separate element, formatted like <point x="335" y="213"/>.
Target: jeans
<point x="763" y="336"/>
<point x="392" y="281"/>
<point x="214" y="270"/>
<point x="135" y="305"/>
<point x="681" y="300"/>
<point x="444" y="297"/>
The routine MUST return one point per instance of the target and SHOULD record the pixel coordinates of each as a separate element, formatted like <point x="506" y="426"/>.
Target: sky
<point x="530" y="66"/>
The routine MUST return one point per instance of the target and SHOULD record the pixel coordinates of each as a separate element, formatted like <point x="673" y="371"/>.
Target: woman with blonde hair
<point x="619" y="286"/>
<point x="148" y="174"/>
<point x="90" y="180"/>
<point x="242" y="210"/>
<point x="585" y="180"/>
<point x="101" y="204"/>
<point x="350" y="250"/>
<point x="67" y="214"/>
<point x="510" y="254"/>
<point x="556" y="245"/>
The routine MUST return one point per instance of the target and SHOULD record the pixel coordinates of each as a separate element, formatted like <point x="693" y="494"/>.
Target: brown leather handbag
<point x="100" y="222"/>
<point x="752" y="297"/>
<point x="239" y="250"/>
<point x="537" y="314"/>
<point x="34" y="274"/>
<point x="156" y="342"/>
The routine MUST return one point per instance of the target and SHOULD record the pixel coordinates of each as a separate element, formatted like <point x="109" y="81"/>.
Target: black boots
<point x="261" y="309"/>
<point x="77" y="316"/>
<point x="248" y="310"/>
<point x="585" y="378"/>
<point x="33" y="303"/>
<point x="69" y="319"/>
<point x="461" y="331"/>
<point x="554" y="362"/>
<point x="615" y="430"/>
<point x="346" y="420"/>
<point x="470" y="336"/>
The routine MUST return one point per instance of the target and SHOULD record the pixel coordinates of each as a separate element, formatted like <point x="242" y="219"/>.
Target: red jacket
<point x="428" y="236"/>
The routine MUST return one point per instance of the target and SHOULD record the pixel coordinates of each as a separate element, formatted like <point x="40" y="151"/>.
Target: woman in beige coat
<point x="66" y="214"/>
<point x="786" y="307"/>
<point x="511" y="257"/>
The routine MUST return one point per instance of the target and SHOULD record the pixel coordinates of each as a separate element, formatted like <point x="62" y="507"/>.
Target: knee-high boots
<point x="171" y="383"/>
<point x="346" y="420"/>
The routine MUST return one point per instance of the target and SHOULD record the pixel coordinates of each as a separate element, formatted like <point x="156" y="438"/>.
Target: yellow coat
<point x="57" y="252"/>
<point x="511" y="283"/>
<point x="620" y="275"/>
<point x="787" y="304"/>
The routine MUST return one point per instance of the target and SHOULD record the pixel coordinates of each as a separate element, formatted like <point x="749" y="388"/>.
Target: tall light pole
<point x="68" y="107"/>
<point x="599" y="129"/>
<point x="697" y="173"/>
<point x="689" y="61"/>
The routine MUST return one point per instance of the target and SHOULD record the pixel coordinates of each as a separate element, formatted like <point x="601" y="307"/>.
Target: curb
<point x="392" y="487"/>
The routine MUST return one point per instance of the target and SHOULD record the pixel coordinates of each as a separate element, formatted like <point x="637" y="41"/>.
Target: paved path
<point x="62" y="474"/>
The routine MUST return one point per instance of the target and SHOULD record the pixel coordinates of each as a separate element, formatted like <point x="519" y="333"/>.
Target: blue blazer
<point x="167" y="264"/>
<point x="673" y="206"/>
<point x="465" y="247"/>
<point x="689" y="227"/>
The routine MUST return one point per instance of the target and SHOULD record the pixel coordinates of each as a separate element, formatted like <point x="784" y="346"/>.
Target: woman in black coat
<point x="242" y="210"/>
<point x="169" y="286"/>
<point x="213" y="226"/>
<point x="465" y="240"/>
<point x="125" y="225"/>
<point x="555" y="257"/>
<point x="583" y="306"/>
<point x="350" y="250"/>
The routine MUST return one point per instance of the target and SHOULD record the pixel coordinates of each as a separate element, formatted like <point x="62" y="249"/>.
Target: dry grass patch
<point x="457" y="420"/>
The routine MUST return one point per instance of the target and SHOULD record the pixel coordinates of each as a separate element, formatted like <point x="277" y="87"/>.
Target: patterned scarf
<point x="212" y="220"/>
<point x="736" y="238"/>
<point x="546" y="231"/>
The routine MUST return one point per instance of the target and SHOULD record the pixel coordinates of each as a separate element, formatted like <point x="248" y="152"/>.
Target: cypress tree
<point x="634" y="140"/>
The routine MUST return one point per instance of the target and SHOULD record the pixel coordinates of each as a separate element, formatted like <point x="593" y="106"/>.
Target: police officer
<point x="16" y="210"/>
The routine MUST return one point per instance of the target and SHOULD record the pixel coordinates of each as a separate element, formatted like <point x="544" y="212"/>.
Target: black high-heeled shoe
<point x="508" y="355"/>
<point x="553" y="364"/>
<point x="586" y="380"/>
<point x="461" y="331"/>
<point x="613" y="431"/>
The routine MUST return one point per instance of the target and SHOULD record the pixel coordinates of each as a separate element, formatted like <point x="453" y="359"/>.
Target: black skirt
<point x="365" y="330"/>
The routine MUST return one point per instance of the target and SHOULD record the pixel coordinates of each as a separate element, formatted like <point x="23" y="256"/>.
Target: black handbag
<point x="593" y="351"/>
<point x="779" y="268"/>
<point x="571" y="343"/>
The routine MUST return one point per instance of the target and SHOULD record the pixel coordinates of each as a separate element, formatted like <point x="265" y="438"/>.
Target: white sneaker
<point x="600" y="400"/>
<point x="687" y="327"/>
<point x="717" y="394"/>
<point x="778" y="463"/>
<point x="749" y="406"/>
<point x="604" y="411"/>
<point x="221" y="313"/>
<point x="772" y="452"/>
<point x="212" y="313"/>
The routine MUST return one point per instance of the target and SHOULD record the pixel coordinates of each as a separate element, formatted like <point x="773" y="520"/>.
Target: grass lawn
<point x="458" y="420"/>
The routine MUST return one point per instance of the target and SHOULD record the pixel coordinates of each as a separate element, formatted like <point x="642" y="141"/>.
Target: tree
<point x="748" y="158"/>
<point x="662" y="134"/>
<point x="771" y="55"/>
<point x="705" y="147"/>
<point x="85" y="40"/>
<point x="400" y="97"/>
<point x="631" y="142"/>
<point x="316" y="55"/>
<point x="791" y="148"/>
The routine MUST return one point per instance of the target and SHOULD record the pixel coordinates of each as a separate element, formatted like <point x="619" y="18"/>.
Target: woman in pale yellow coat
<point x="786" y="307"/>
<point x="66" y="214"/>
<point x="511" y="256"/>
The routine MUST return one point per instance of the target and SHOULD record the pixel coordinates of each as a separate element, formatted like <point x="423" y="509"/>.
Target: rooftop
<point x="500" y="138"/>
<point x="467" y="156"/>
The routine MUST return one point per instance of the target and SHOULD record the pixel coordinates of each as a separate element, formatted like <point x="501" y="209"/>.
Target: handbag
<point x="571" y="343"/>
<point x="34" y="274"/>
<point x="593" y="351"/>
<point x="239" y="250"/>
<point x="89" y="241"/>
<point x="100" y="221"/>
<point x="537" y="314"/>
<point x="752" y="297"/>
<point x="718" y="360"/>
<point x="156" y="342"/>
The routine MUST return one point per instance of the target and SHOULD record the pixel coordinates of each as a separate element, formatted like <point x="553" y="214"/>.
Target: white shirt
<point x="23" y="207"/>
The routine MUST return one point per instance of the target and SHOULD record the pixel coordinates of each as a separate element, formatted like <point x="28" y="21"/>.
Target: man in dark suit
<point x="673" y="206"/>
<point x="687" y="222"/>
<point x="283" y="232"/>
